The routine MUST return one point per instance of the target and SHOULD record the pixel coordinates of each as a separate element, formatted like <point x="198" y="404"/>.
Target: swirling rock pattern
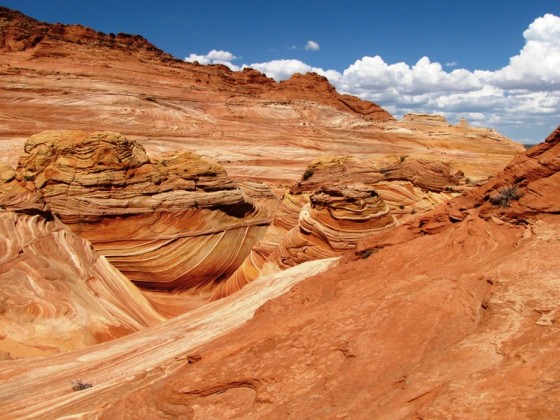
<point x="405" y="187"/>
<point x="57" y="294"/>
<point x="285" y="218"/>
<point x="333" y="222"/>
<point x="329" y="222"/>
<point x="172" y="222"/>
<point x="452" y="322"/>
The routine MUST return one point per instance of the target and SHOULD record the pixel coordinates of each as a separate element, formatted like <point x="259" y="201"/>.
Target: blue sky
<point x="495" y="62"/>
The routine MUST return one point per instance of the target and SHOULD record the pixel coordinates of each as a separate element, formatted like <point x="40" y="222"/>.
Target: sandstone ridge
<point x="19" y="32"/>
<point x="55" y="77"/>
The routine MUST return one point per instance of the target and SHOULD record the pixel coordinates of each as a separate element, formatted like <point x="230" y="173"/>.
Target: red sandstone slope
<point x="453" y="315"/>
<point x="460" y="322"/>
<point x="19" y="32"/>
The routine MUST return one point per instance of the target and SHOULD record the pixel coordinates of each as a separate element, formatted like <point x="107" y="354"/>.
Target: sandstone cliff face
<point x="172" y="222"/>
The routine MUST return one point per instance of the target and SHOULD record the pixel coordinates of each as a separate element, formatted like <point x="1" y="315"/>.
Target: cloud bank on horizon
<point x="522" y="97"/>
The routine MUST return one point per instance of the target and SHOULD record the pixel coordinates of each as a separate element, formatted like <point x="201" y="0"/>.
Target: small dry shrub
<point x="79" y="385"/>
<point x="505" y="196"/>
<point x="307" y="174"/>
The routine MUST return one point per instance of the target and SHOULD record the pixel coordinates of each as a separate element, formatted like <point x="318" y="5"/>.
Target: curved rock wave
<point x="57" y="294"/>
<point x="336" y="217"/>
<point x="174" y="222"/>
<point x="340" y="201"/>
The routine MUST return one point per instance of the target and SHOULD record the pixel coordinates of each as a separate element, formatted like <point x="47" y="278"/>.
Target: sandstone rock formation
<point x="438" y="299"/>
<point x="338" y="202"/>
<point x="167" y="223"/>
<point x="334" y="220"/>
<point x="70" y="77"/>
<point x="57" y="294"/>
<point x="451" y="322"/>
<point x="456" y="323"/>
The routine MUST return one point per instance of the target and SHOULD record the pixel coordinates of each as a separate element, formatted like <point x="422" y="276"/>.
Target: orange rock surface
<point x="390" y="269"/>
<point x="458" y="321"/>
<point x="57" y="294"/>
<point x="338" y="202"/>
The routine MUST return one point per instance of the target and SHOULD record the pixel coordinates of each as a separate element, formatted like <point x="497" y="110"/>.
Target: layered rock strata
<point x="57" y="294"/>
<point x="334" y="220"/>
<point x="71" y="77"/>
<point x="329" y="222"/>
<point x="451" y="322"/>
<point x="311" y="222"/>
<point x="167" y="223"/>
<point x="452" y="315"/>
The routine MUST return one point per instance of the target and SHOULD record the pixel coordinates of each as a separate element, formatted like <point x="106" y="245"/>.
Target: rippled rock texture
<point x="57" y="294"/>
<point x="458" y="321"/>
<point x="452" y="315"/>
<point x="340" y="201"/>
<point x="173" y="222"/>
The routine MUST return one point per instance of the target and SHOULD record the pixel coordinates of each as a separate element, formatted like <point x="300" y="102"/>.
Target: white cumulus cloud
<point x="537" y="66"/>
<point x="214" y="57"/>
<point x="312" y="46"/>
<point x="284" y="69"/>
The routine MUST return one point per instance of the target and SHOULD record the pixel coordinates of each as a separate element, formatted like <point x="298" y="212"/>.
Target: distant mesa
<point x="425" y="118"/>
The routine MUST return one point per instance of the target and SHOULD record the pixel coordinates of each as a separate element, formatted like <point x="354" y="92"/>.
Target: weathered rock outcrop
<point x="171" y="222"/>
<point x="339" y="201"/>
<point x="334" y="220"/>
<point x="329" y="222"/>
<point x="317" y="89"/>
<point x="19" y="32"/>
